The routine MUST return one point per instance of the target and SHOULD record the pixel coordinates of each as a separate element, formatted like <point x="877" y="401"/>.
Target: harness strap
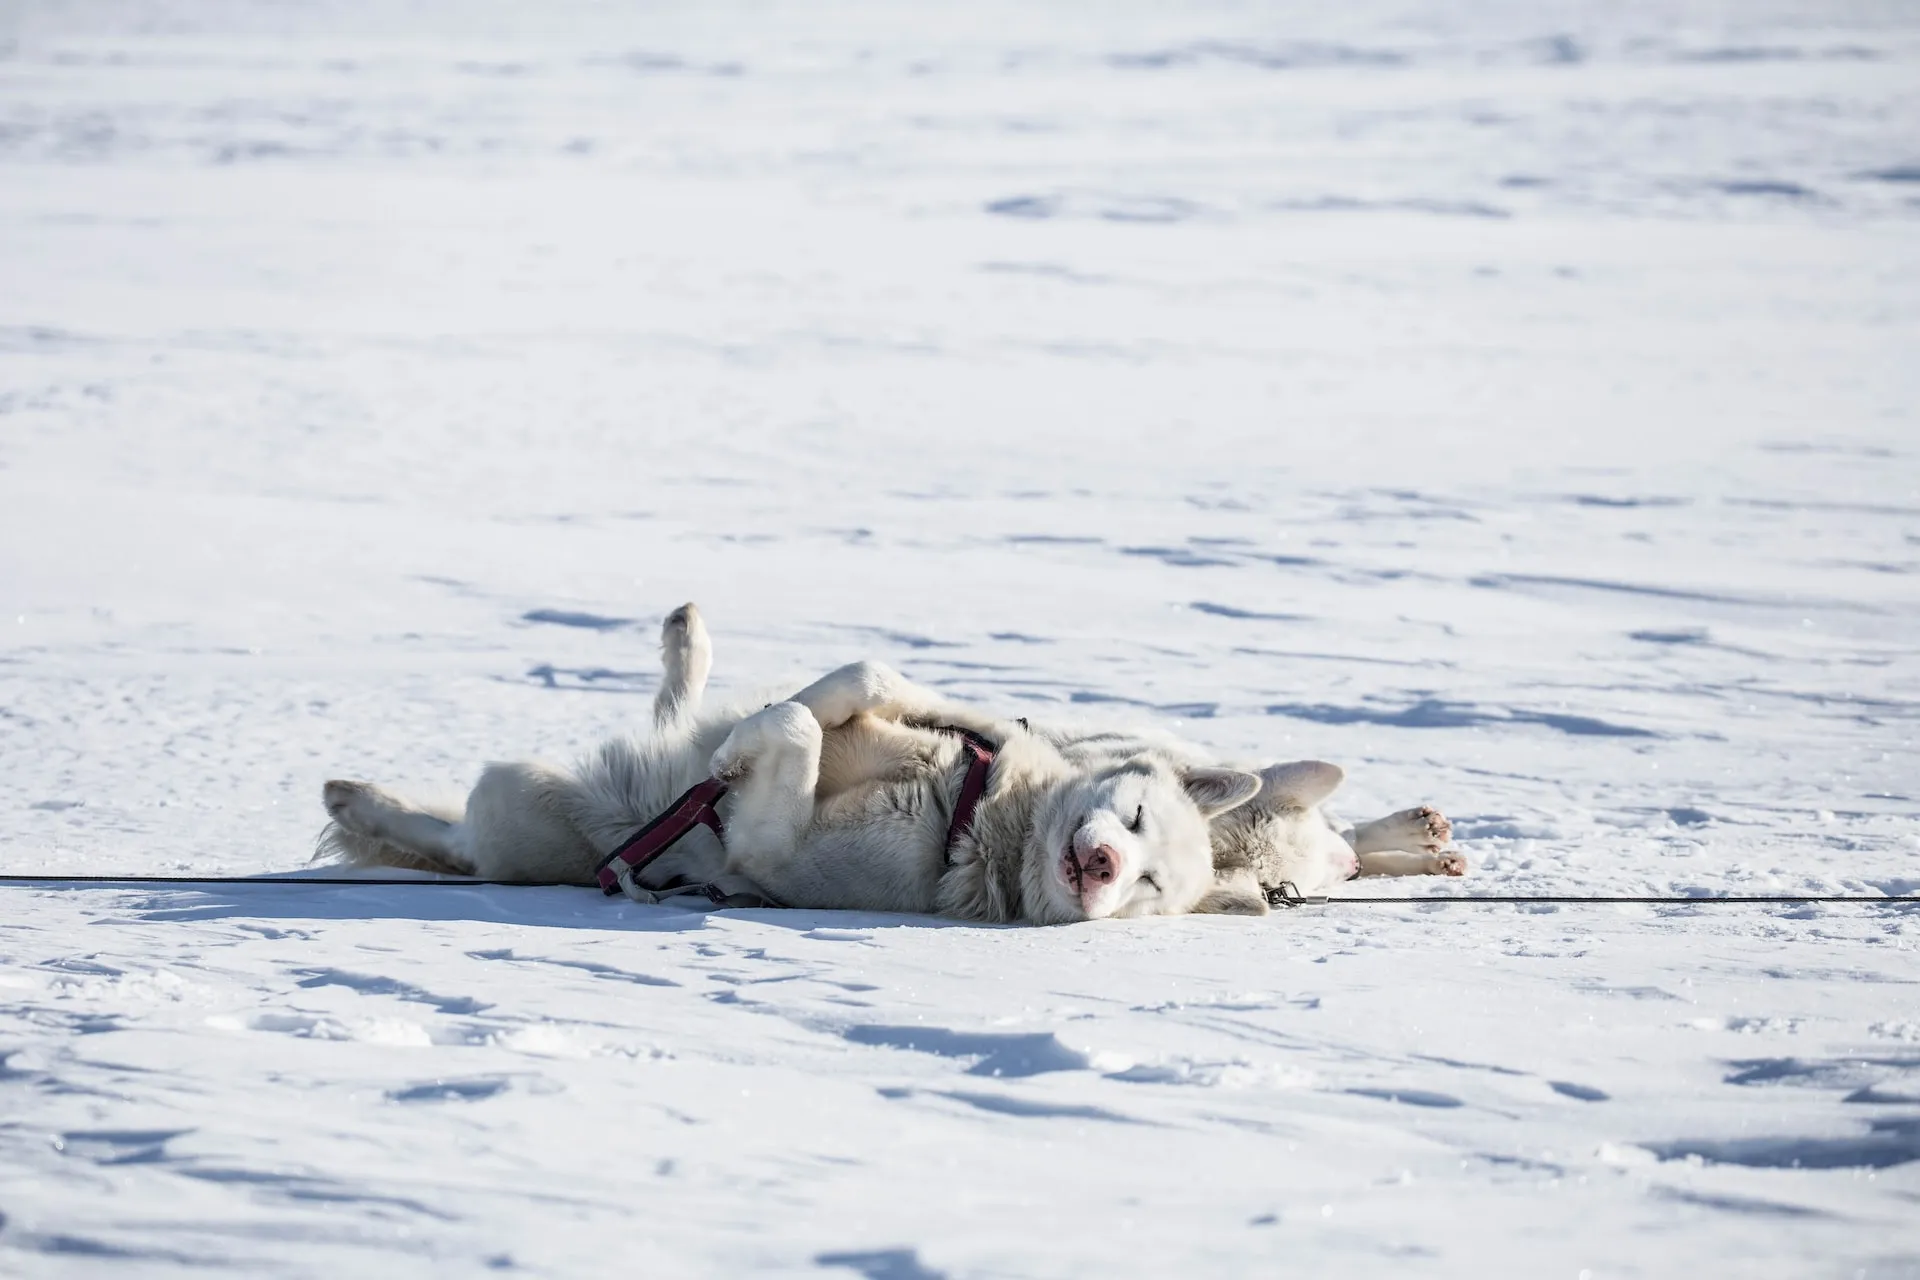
<point x="729" y="892"/>
<point x="980" y="762"/>
<point x="619" y="871"/>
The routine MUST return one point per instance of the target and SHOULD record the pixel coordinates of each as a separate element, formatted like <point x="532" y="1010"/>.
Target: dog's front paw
<point x="858" y="687"/>
<point x="1449" y="864"/>
<point x="729" y="763"/>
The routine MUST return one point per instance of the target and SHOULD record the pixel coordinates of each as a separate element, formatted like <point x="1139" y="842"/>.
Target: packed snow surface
<point x="1514" y="403"/>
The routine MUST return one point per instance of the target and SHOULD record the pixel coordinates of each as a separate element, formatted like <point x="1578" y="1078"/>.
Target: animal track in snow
<point x="1410" y="1097"/>
<point x="577" y="618"/>
<point x="881" y="1264"/>
<point x="389" y="1031"/>
<point x="604" y="971"/>
<point x="1030" y="1108"/>
<point x="993" y="1053"/>
<point x="376" y="985"/>
<point x="1885" y="1145"/>
<point x="471" y="1089"/>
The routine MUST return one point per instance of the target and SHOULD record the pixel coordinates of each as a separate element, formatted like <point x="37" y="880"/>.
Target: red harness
<point x="975" y="786"/>
<point x="619" y="871"/>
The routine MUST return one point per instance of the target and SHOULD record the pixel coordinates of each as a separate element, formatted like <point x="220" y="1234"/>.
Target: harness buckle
<point x="1287" y="894"/>
<point x="626" y="877"/>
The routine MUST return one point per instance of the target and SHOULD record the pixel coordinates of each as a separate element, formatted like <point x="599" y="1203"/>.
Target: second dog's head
<point x="1282" y="836"/>
<point x="1130" y="839"/>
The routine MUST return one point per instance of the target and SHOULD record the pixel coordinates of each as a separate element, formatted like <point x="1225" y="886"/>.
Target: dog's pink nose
<point x="1099" y="864"/>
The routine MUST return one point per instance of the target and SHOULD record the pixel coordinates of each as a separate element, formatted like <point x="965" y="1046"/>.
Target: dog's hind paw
<point x="1421" y="830"/>
<point x="1428" y="827"/>
<point x="684" y="632"/>
<point x="352" y="805"/>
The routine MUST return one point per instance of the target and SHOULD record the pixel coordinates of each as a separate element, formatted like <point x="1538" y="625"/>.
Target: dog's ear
<point x="1235" y="894"/>
<point x="1299" y="783"/>
<point x="1218" y="790"/>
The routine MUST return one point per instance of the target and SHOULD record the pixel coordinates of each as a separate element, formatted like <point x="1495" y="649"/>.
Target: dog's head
<point x="1281" y="835"/>
<point x="1131" y="839"/>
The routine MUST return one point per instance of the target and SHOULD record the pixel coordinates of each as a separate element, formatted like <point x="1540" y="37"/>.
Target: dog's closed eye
<point x="1139" y="819"/>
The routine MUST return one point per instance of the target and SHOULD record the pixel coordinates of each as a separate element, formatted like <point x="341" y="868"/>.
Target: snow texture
<point x="1511" y="402"/>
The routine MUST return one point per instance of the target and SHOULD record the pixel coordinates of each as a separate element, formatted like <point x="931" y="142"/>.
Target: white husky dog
<point x="1284" y="836"/>
<point x="841" y="797"/>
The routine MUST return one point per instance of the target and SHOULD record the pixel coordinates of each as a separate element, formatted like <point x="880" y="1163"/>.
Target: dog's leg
<point x="1422" y="830"/>
<point x="686" y="655"/>
<point x="1397" y="862"/>
<point x="373" y="818"/>
<point x="518" y="826"/>
<point x="771" y="762"/>
<point x="869" y="688"/>
<point x="875" y="689"/>
<point x="366" y="810"/>
<point x="1412" y="842"/>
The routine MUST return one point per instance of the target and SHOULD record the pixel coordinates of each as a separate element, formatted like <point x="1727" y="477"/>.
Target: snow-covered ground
<point x="1513" y="402"/>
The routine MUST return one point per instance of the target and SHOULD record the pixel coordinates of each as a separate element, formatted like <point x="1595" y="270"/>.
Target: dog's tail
<point x="345" y="848"/>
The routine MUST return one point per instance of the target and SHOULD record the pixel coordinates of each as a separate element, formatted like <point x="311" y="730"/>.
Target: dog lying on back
<point x="1283" y="837"/>
<point x="841" y="797"/>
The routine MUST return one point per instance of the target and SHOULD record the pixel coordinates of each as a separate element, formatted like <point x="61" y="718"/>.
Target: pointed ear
<point x="1218" y="790"/>
<point x="1235" y="894"/>
<point x="1299" y="783"/>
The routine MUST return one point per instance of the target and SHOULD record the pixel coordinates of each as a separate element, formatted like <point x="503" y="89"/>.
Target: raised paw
<point x="686" y="656"/>
<point x="684" y="631"/>
<point x="782" y="727"/>
<point x="351" y="804"/>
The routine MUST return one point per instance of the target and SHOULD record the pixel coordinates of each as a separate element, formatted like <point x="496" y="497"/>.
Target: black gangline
<point x="1782" y="899"/>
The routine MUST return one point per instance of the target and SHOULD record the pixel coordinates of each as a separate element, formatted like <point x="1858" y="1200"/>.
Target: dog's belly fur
<point x="877" y="841"/>
<point x="877" y="846"/>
